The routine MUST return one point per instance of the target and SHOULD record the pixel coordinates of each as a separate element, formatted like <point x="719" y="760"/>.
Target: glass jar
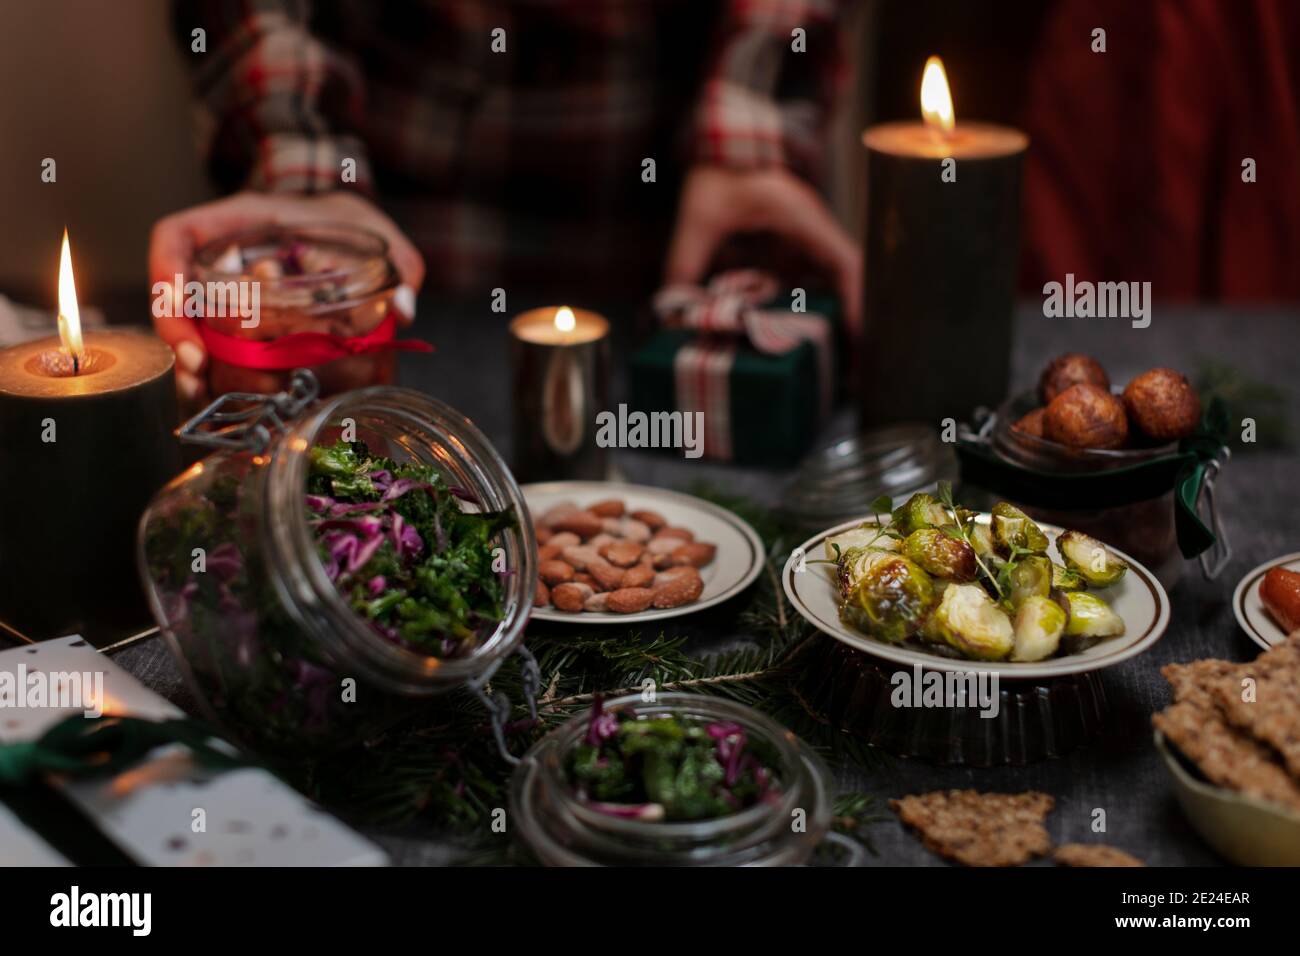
<point x="560" y="830"/>
<point x="1125" y="497"/>
<point x="328" y="279"/>
<point x="270" y="648"/>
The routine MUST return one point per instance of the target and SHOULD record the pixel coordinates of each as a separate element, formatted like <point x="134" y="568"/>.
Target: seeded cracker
<point x="1225" y="755"/>
<point x="1191" y="681"/>
<point x="1272" y="715"/>
<point x="1093" y="854"/>
<point x="980" y="829"/>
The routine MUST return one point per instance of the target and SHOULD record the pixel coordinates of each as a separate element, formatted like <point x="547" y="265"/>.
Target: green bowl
<point x="1243" y="829"/>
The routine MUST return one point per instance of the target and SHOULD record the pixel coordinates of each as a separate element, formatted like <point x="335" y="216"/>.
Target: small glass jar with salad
<point x="679" y="780"/>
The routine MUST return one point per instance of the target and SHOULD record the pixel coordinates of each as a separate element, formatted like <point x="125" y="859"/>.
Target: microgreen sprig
<point x="963" y="532"/>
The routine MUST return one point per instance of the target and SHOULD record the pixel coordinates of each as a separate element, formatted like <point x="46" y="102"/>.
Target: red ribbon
<point x="305" y="348"/>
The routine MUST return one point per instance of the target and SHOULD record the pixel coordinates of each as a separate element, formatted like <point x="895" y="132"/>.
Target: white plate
<point x="1138" y="598"/>
<point x="1251" y="614"/>
<point x="738" y="562"/>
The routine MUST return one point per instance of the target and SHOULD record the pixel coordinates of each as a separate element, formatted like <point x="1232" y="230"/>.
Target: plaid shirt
<point x="523" y="165"/>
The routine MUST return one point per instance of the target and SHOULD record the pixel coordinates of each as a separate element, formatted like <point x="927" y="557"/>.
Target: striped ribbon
<point x="725" y="315"/>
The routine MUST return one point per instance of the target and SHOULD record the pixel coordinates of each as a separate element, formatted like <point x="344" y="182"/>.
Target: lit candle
<point x="942" y="240"/>
<point x="86" y="420"/>
<point x="560" y="362"/>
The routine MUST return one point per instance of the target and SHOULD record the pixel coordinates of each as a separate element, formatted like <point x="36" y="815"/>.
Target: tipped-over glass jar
<point x="335" y="563"/>
<point x="782" y="825"/>
<point x="281" y="297"/>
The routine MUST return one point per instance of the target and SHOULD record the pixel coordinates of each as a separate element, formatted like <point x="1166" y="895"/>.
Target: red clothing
<point x="1135" y="165"/>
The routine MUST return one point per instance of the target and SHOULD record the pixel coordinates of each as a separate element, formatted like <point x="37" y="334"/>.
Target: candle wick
<point x="76" y="364"/>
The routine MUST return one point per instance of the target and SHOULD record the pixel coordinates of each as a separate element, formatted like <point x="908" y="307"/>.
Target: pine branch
<point x="444" y="765"/>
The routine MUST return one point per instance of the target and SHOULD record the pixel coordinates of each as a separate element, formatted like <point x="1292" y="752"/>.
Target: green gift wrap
<point x="764" y="389"/>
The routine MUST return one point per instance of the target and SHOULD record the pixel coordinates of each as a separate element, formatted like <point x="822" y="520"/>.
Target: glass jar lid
<point x="839" y="482"/>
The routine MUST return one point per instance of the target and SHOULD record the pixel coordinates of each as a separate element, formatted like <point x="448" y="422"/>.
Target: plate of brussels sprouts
<point x="932" y="583"/>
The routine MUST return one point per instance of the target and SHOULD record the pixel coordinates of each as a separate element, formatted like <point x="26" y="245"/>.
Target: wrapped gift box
<point x="762" y="408"/>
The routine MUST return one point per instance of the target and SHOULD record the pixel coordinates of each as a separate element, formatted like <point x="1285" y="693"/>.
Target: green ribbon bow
<point x="90" y="747"/>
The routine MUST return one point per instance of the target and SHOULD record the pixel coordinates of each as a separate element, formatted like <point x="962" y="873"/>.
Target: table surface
<point x="1120" y="772"/>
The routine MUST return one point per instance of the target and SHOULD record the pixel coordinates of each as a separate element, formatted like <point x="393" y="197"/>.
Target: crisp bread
<point x="1225" y="755"/>
<point x="1272" y="713"/>
<point x="980" y="829"/>
<point x="1191" y="681"/>
<point x="1093" y="854"/>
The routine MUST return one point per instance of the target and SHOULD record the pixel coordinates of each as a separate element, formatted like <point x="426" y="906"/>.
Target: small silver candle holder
<point x="559" y="360"/>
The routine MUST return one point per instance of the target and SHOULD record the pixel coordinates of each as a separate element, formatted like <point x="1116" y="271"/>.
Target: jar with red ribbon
<point x="281" y="297"/>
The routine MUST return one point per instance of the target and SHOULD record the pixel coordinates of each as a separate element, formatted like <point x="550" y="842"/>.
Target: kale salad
<point x="397" y="544"/>
<point x="669" y="768"/>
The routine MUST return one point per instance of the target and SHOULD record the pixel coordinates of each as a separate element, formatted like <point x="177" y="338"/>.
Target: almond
<point x="542" y="596"/>
<point x="548" y="552"/>
<point x="608" y="577"/>
<point x="686" y="534"/>
<point x="664" y="560"/>
<point x="639" y="576"/>
<point x="683" y="572"/>
<point x="651" y="519"/>
<point x="581" y="555"/>
<point x="600" y="541"/>
<point x="635" y="530"/>
<point x="696" y="553"/>
<point x="609" y="508"/>
<point x="597" y="602"/>
<point x="571" y="597"/>
<point x="679" y="592"/>
<point x="622" y="553"/>
<point x="582" y="577"/>
<point x="658" y="546"/>
<point x="542" y="533"/>
<point x="555" y="572"/>
<point x="582" y="523"/>
<point x="558" y="511"/>
<point x="565" y="539"/>
<point x="629" y="600"/>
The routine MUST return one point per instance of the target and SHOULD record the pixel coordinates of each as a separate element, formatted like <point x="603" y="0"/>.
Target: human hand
<point x="176" y="237"/>
<point x="718" y="203"/>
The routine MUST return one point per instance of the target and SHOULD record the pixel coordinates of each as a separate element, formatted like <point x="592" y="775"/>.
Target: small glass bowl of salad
<point x="671" y="779"/>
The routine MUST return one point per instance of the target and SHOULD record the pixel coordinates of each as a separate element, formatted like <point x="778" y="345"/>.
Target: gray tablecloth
<point x="1119" y="773"/>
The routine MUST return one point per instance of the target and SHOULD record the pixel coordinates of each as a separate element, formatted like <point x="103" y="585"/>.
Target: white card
<point x="19" y="846"/>
<point x="169" y="811"/>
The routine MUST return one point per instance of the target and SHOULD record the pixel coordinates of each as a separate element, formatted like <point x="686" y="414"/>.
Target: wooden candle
<point x="941" y="251"/>
<point x="559" y="361"/>
<point x="87" y="430"/>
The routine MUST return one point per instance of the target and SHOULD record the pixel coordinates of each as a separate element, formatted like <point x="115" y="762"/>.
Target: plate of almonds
<point x="613" y="553"/>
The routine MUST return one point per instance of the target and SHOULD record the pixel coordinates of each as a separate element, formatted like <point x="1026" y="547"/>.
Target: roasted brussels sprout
<point x="1066" y="579"/>
<point x="891" y="600"/>
<point x="854" y="564"/>
<point x="941" y="554"/>
<point x="981" y="537"/>
<point x="970" y="622"/>
<point x="1091" y="618"/>
<point x="864" y="535"/>
<point x="1040" y="622"/>
<point x="1013" y="528"/>
<point x="1029" y="577"/>
<point x="1091" y="559"/>
<point x="919" y="511"/>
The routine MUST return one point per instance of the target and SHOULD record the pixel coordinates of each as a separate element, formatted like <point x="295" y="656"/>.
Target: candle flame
<point x="69" y="314"/>
<point x="936" y="100"/>
<point x="565" y="320"/>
